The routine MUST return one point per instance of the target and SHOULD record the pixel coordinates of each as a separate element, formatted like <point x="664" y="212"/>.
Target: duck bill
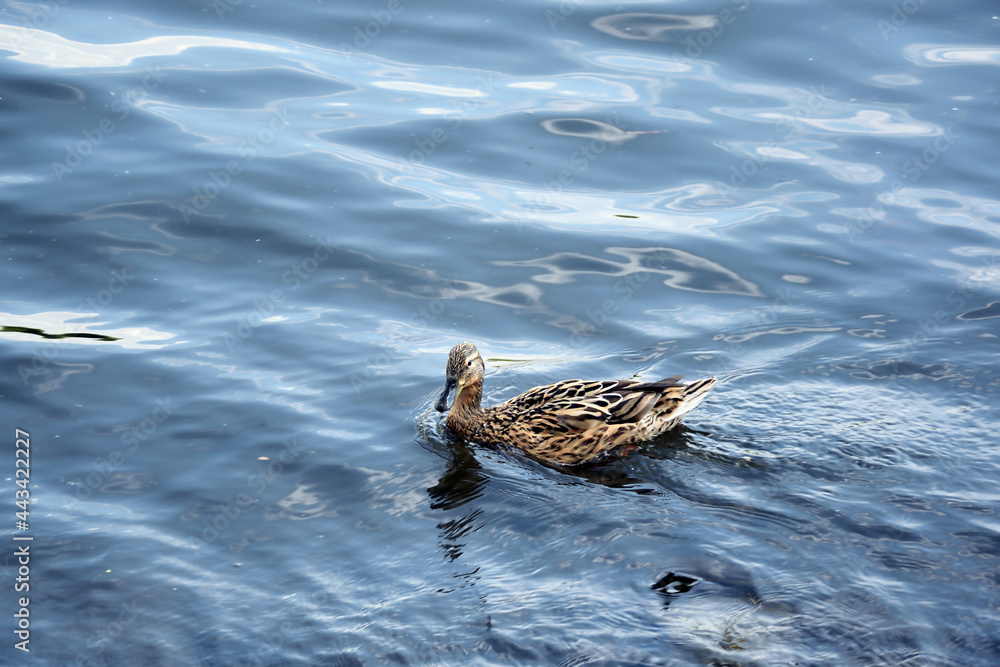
<point x="442" y="404"/>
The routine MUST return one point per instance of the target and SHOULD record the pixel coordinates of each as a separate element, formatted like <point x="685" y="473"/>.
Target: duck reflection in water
<point x="464" y="480"/>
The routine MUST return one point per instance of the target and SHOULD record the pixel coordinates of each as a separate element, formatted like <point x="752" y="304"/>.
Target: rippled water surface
<point x="239" y="239"/>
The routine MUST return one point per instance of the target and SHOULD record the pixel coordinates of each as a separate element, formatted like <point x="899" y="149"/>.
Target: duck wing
<point x="581" y="414"/>
<point x="539" y="396"/>
<point x="577" y="405"/>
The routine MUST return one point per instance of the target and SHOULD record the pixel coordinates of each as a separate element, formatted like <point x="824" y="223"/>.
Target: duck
<point x="568" y="423"/>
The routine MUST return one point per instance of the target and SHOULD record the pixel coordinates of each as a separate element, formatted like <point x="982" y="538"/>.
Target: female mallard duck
<point x="569" y="422"/>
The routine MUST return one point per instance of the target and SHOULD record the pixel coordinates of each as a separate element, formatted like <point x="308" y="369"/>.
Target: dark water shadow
<point x="465" y="479"/>
<point x="671" y="585"/>
<point x="461" y="483"/>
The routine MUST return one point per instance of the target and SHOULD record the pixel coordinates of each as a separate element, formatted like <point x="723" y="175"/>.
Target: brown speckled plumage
<point x="569" y="422"/>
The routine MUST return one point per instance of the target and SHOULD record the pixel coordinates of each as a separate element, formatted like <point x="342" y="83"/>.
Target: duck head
<point x="465" y="373"/>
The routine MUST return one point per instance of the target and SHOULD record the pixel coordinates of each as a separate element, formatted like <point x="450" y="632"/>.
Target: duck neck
<point x="470" y="397"/>
<point x="467" y="403"/>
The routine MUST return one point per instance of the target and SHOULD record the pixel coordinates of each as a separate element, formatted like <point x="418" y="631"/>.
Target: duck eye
<point x="469" y="365"/>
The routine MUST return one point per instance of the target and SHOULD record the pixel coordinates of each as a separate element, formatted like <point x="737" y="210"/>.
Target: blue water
<point x="240" y="238"/>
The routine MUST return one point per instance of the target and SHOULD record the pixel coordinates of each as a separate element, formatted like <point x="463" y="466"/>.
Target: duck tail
<point x="694" y="393"/>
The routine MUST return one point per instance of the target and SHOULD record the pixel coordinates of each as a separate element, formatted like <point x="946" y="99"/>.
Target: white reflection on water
<point x="680" y="270"/>
<point x="653" y="27"/>
<point x="871" y="121"/>
<point x="956" y="54"/>
<point x="806" y="152"/>
<point x="39" y="47"/>
<point x="429" y="89"/>
<point x="58" y="323"/>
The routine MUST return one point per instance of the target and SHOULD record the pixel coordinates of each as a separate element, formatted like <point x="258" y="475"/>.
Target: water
<point x="240" y="238"/>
